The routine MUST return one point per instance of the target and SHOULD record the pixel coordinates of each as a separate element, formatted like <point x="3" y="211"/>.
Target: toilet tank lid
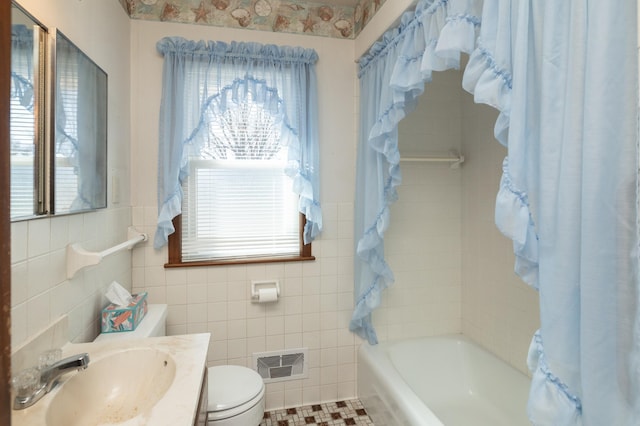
<point x="154" y="319"/>
<point x="231" y="386"/>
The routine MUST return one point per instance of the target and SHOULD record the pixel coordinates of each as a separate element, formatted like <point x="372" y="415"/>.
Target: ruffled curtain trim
<point x="429" y="39"/>
<point x="491" y="85"/>
<point x="551" y="402"/>
<point x="241" y="50"/>
<point x="513" y="219"/>
<point x="171" y="208"/>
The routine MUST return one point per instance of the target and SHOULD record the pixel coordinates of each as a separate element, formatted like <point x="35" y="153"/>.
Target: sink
<point x="129" y="382"/>
<point x="116" y="387"/>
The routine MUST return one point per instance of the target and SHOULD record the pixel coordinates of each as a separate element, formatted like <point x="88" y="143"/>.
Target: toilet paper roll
<point x="266" y="295"/>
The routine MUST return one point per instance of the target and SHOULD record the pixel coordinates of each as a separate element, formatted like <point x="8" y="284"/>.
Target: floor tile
<point x="349" y="412"/>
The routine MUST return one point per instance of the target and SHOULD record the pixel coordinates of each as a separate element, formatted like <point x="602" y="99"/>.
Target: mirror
<point x="27" y="125"/>
<point x="58" y="124"/>
<point x="80" y="143"/>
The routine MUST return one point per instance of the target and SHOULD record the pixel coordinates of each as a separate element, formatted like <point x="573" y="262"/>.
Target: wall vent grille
<point x="283" y="365"/>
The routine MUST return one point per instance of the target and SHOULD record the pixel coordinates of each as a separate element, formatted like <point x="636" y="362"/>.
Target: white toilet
<point x="236" y="394"/>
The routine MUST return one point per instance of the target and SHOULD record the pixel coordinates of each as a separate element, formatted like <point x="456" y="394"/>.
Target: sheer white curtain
<point x="564" y="77"/>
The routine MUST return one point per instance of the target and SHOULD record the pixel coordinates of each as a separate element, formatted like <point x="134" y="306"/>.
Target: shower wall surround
<point x="453" y="268"/>
<point x="40" y="292"/>
<point x="499" y="310"/>
<point x="423" y="245"/>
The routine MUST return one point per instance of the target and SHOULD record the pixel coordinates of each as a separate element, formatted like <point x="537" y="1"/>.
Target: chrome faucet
<point x="35" y="383"/>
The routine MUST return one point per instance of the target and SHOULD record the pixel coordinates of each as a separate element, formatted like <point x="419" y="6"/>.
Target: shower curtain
<point x="563" y="75"/>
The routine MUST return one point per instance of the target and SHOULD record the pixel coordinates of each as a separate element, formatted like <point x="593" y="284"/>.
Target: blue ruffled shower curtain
<point x="563" y="75"/>
<point x="203" y="78"/>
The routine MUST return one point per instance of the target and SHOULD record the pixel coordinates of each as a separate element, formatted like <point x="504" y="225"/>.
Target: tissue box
<point x="116" y="318"/>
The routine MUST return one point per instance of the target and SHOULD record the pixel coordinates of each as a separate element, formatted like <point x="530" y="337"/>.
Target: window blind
<point x="22" y="123"/>
<point x="239" y="208"/>
<point x="22" y="160"/>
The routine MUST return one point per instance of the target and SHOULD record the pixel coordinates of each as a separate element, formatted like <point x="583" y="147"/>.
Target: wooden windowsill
<point x="175" y="252"/>
<point x="246" y="261"/>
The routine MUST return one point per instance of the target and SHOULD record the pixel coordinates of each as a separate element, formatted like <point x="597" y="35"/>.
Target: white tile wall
<point x="316" y="297"/>
<point x="453" y="269"/>
<point x="40" y="292"/>
<point x="499" y="311"/>
<point x="313" y="311"/>
<point x="423" y="242"/>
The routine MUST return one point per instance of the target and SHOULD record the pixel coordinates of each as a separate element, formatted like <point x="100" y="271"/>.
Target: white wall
<point x="317" y="297"/>
<point x="423" y="242"/>
<point x="40" y="292"/>
<point x="498" y="310"/>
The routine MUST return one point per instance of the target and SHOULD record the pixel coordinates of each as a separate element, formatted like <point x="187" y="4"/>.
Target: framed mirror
<point x="58" y="123"/>
<point x="27" y="117"/>
<point x="79" y="181"/>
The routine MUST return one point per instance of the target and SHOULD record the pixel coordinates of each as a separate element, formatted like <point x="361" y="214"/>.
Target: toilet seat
<point x="234" y="390"/>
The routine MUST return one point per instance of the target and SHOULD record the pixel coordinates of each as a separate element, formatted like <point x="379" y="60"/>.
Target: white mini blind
<point x="22" y="161"/>
<point x="239" y="209"/>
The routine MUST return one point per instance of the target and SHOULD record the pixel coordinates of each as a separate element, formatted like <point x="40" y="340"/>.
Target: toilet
<point x="236" y="394"/>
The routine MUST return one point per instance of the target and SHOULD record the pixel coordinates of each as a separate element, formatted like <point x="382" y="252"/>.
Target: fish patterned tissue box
<point x="116" y="319"/>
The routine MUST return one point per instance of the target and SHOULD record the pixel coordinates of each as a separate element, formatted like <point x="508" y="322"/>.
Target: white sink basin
<point x="113" y="389"/>
<point x="128" y="382"/>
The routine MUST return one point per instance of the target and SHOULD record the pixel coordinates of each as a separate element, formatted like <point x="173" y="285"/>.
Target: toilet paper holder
<point x="256" y="286"/>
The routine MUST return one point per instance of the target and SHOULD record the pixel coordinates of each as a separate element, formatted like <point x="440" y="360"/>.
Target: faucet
<point x="35" y="383"/>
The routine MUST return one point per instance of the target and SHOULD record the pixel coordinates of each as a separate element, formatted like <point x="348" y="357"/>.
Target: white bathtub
<point x="435" y="381"/>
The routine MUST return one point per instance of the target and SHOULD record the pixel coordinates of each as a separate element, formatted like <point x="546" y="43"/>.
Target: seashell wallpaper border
<point x="308" y="18"/>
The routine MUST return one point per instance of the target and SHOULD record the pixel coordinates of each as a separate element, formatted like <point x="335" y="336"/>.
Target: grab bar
<point x="78" y="257"/>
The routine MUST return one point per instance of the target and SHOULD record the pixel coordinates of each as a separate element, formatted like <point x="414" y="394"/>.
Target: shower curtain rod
<point x="455" y="159"/>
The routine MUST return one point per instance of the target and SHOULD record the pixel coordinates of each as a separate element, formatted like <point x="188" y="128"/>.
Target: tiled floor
<point x="333" y="413"/>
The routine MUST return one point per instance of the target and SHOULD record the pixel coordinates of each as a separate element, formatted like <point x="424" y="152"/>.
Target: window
<point x="238" y="180"/>
<point x="238" y="205"/>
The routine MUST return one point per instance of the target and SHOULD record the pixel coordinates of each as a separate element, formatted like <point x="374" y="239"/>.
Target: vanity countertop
<point x="178" y="406"/>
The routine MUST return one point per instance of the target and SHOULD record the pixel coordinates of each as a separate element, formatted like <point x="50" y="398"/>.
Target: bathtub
<point x="435" y="381"/>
